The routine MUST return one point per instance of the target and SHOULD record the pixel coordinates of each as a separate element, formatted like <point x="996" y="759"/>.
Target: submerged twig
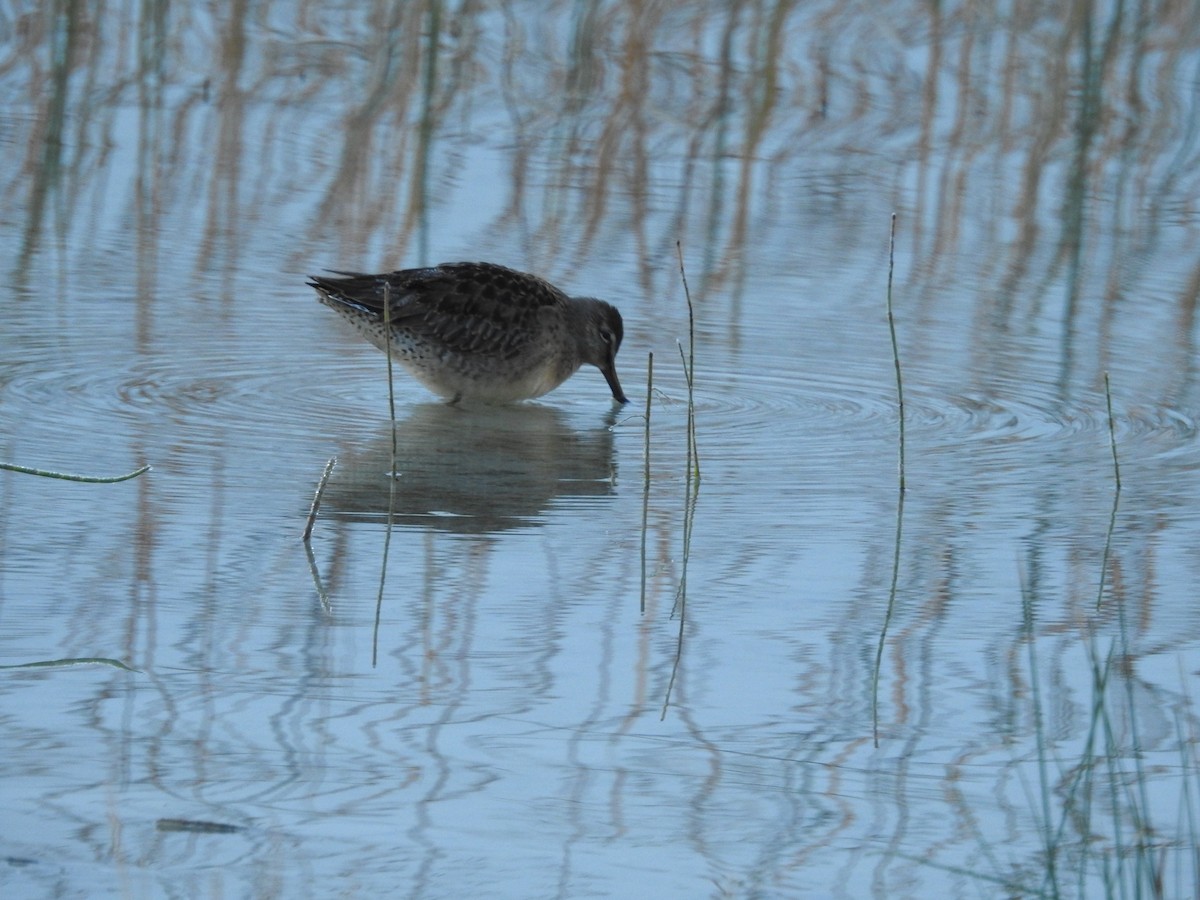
<point x="316" y="502"/>
<point x="64" y="476"/>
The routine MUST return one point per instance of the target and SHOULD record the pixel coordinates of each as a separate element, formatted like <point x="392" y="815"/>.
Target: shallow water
<point x="560" y="671"/>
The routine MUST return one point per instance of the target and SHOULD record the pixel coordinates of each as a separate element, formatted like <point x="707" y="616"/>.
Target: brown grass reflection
<point x="205" y="156"/>
<point x="636" y="118"/>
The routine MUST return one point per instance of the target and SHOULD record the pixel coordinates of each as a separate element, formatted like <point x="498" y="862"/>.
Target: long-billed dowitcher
<point x="478" y="331"/>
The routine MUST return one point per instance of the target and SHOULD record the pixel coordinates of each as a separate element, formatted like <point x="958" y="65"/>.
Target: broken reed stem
<point x="1112" y="517"/>
<point x="895" y="349"/>
<point x="316" y="503"/>
<point x="646" y="471"/>
<point x="689" y="371"/>
<point x="64" y="476"/>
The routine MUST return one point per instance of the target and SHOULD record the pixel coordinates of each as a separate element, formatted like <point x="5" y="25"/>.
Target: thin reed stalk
<point x="891" y="604"/>
<point x="689" y="371"/>
<point x="1187" y="740"/>
<point x="1137" y="800"/>
<point x="1112" y="518"/>
<point x="387" y="330"/>
<point x="691" y="479"/>
<point x="895" y="347"/>
<point x="887" y="619"/>
<point x="1095" y="818"/>
<point x="646" y="472"/>
<point x="391" y="515"/>
<point x="1112" y="432"/>
<point x="691" y="492"/>
<point x="1050" y="844"/>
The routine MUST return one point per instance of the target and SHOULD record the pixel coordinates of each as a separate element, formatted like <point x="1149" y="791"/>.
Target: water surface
<point x="559" y="667"/>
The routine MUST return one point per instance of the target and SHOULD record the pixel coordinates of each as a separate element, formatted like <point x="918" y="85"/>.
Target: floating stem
<point x="64" y="476"/>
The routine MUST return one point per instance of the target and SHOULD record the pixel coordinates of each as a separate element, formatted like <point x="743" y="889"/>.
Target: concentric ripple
<point x="772" y="408"/>
<point x="195" y="391"/>
<point x="737" y="407"/>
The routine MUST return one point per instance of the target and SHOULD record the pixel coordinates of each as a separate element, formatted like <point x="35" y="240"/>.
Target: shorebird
<point x="477" y="331"/>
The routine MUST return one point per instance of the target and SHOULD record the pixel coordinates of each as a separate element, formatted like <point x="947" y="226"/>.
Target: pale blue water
<point x="504" y="718"/>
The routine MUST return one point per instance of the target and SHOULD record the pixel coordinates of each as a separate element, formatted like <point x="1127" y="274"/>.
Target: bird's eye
<point x="606" y="336"/>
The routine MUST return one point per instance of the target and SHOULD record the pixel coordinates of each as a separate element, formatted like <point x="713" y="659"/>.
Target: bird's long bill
<point x="610" y="375"/>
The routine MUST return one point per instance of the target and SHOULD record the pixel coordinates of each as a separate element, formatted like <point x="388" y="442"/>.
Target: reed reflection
<point x="722" y="123"/>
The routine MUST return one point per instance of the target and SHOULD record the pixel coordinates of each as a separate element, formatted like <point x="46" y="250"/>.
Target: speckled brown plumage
<point x="479" y="331"/>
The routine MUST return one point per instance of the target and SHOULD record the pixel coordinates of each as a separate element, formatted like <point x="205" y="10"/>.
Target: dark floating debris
<point x="196" y="826"/>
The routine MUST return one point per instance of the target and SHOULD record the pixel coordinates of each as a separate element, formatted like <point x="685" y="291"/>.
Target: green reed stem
<point x="87" y="479"/>
<point x="689" y="371"/>
<point x="1112" y="433"/>
<point x="895" y="347"/>
<point x="891" y="606"/>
